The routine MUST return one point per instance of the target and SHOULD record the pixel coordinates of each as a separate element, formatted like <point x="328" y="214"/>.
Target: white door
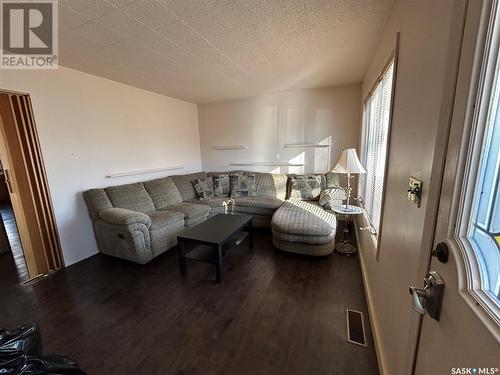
<point x="466" y="338"/>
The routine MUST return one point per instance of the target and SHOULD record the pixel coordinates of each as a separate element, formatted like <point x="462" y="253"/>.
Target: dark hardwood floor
<point x="275" y="313"/>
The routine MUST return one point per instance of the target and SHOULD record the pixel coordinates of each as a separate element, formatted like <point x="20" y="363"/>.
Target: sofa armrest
<point x="122" y="216"/>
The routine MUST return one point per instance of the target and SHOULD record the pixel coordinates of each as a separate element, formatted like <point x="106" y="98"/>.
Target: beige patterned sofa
<point x="139" y="221"/>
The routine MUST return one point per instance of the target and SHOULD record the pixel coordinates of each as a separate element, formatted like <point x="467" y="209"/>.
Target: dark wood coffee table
<point x="213" y="238"/>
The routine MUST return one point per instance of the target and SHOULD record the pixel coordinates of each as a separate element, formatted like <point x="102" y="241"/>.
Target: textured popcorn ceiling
<point x="208" y="50"/>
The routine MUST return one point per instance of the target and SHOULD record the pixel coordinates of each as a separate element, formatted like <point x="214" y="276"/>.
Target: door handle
<point x="429" y="298"/>
<point x="419" y="297"/>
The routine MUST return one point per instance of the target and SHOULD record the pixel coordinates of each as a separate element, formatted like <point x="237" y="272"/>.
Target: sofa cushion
<point x="242" y="185"/>
<point x="303" y="218"/>
<point x="185" y="184"/>
<point x="216" y="204"/>
<point x="257" y="205"/>
<point x="204" y="188"/>
<point x="165" y="227"/>
<point x="163" y="192"/>
<point x="272" y="185"/>
<point x="212" y="203"/>
<point x="160" y="219"/>
<point x="191" y="211"/>
<point x="333" y="196"/>
<point x="331" y="179"/>
<point x="272" y="203"/>
<point x="131" y="196"/>
<point x="305" y="187"/>
<point x="221" y="185"/>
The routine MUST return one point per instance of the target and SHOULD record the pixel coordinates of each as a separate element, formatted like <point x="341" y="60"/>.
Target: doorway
<point x="12" y="263"/>
<point x="29" y="206"/>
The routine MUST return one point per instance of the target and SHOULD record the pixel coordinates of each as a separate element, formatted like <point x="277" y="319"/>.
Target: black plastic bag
<point x="49" y="365"/>
<point x="21" y="354"/>
<point x="23" y="340"/>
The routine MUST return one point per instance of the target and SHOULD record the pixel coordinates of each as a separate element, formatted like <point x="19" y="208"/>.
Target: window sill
<point x="364" y="236"/>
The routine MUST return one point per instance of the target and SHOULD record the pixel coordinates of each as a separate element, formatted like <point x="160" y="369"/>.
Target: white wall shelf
<point x="237" y="147"/>
<point x="314" y="145"/>
<point x="268" y="163"/>
<point x="144" y="171"/>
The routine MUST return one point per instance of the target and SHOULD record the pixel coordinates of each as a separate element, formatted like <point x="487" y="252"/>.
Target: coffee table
<point x="213" y="238"/>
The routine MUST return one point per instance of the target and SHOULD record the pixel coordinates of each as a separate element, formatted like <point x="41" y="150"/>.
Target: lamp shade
<point x="348" y="162"/>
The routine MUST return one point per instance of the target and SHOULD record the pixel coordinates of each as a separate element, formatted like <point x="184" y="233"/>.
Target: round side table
<point x="345" y="247"/>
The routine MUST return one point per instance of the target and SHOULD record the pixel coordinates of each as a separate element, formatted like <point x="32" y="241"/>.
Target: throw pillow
<point x="242" y="185"/>
<point x="204" y="188"/>
<point x="306" y="187"/>
<point x="221" y="185"/>
<point x="332" y="196"/>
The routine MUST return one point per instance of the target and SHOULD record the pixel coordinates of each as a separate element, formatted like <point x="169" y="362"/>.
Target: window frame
<point x="376" y="236"/>
<point x="488" y="79"/>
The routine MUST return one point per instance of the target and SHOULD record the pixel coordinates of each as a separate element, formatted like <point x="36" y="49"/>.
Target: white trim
<point x="268" y="163"/>
<point x="372" y="315"/>
<point x="468" y="167"/>
<point x="366" y="225"/>
<point x="143" y="171"/>
<point x="238" y="147"/>
<point x="314" y="145"/>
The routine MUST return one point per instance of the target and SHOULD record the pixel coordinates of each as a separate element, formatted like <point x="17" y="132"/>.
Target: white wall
<point x="89" y="127"/>
<point x="266" y="123"/>
<point x="406" y="238"/>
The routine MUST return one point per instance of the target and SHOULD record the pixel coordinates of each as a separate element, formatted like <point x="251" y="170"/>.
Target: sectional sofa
<point x="140" y="221"/>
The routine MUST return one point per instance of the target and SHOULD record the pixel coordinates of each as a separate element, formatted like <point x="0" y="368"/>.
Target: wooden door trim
<point x="20" y="123"/>
<point x="32" y="202"/>
<point x="24" y="235"/>
<point x="52" y="225"/>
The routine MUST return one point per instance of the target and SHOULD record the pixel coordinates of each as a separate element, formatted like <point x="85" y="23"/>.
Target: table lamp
<point x="348" y="163"/>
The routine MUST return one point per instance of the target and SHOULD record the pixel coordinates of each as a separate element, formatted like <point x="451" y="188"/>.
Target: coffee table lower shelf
<point x="210" y="241"/>
<point x="208" y="254"/>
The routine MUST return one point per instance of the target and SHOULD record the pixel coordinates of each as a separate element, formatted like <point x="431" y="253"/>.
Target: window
<point x="376" y="123"/>
<point x="484" y="228"/>
<point x="478" y="223"/>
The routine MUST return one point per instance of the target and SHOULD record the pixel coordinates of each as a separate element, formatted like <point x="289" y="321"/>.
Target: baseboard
<point x="379" y="348"/>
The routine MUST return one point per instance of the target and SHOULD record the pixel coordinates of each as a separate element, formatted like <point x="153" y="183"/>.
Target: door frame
<point x="28" y="185"/>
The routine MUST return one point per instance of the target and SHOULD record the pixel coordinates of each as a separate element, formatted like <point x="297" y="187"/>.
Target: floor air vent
<point x="355" y="327"/>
